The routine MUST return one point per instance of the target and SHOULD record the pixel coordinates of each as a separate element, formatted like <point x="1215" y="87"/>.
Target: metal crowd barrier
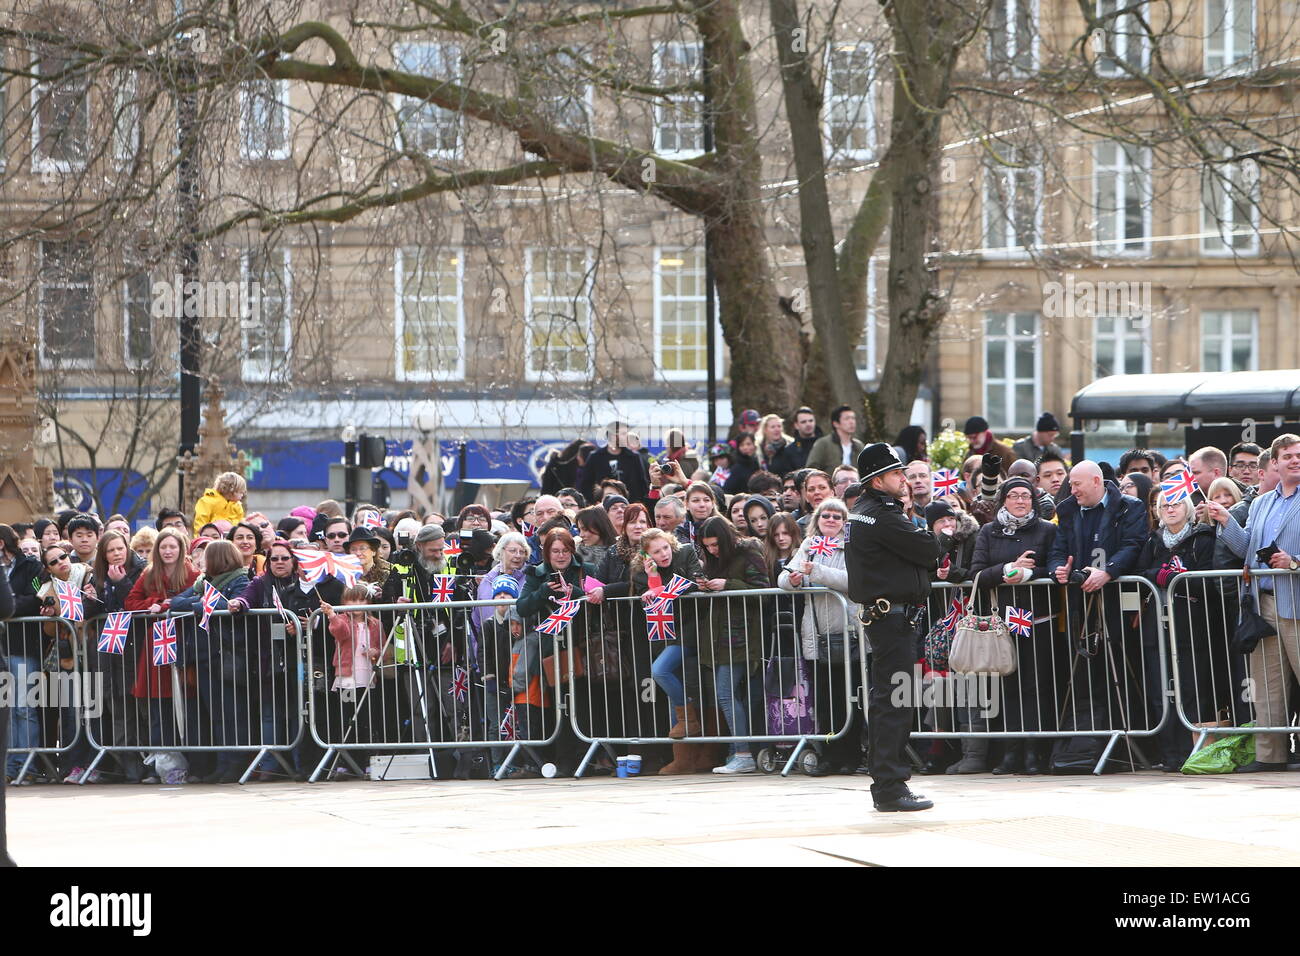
<point x="1219" y="688"/>
<point x="738" y="661"/>
<point x="238" y="683"/>
<point x="452" y="676"/>
<point x="46" y="699"/>
<point x="1089" y="666"/>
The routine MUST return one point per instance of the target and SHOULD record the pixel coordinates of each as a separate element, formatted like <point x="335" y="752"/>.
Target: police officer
<point x="889" y="565"/>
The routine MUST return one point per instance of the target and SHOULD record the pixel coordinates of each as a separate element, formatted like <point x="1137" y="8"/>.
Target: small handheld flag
<point x="164" y="642"/>
<point x="1176" y="564"/>
<point x="70" y="605"/>
<point x="1177" y="487"/>
<point x="441" y="588"/>
<point x="954" y="613"/>
<point x="370" y="519"/>
<point x="459" y="683"/>
<point x="210" y="598"/>
<point x="112" y="639"/>
<point x="508" y="729"/>
<point x="946" y="482"/>
<point x="1020" y="621"/>
<point x="660" y="623"/>
<point x="824" y="546"/>
<point x="560" y="617"/>
<point x="676" y="587"/>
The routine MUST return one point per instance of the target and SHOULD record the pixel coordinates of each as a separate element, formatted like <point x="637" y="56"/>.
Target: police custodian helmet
<point x="875" y="460"/>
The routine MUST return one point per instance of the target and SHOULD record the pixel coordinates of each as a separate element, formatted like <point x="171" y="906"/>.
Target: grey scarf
<point x="1011" y="524"/>
<point x="1174" y="540"/>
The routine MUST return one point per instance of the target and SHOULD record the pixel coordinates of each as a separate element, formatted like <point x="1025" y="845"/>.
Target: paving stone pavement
<point x="1144" y="819"/>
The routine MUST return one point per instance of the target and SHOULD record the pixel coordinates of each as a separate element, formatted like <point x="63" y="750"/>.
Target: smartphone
<point x="1198" y="497"/>
<point x="557" y="578"/>
<point x="1264" y="555"/>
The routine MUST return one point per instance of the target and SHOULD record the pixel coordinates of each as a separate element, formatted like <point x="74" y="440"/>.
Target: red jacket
<point x="344" y="651"/>
<point x="151" y="681"/>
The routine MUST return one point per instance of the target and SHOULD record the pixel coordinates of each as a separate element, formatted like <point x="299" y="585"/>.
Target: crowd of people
<point x="615" y="529"/>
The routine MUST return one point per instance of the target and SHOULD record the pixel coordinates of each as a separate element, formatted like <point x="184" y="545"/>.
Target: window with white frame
<point x="66" y="305"/>
<point x="565" y="96"/>
<point x="1012" y="30"/>
<point x="1230" y="208"/>
<point x="864" y="356"/>
<point x="558" y="304"/>
<point x="1229" y="34"/>
<point x="60" y="116"/>
<point x="266" y="336"/>
<point x="849" y="110"/>
<point x="430" y="316"/>
<point x="126" y="119"/>
<point x="1011" y="370"/>
<point x="137" y="319"/>
<point x="1121" y="197"/>
<point x="1121" y="345"/>
<point x="421" y="125"/>
<point x="681" y="314"/>
<point x="679" y="118"/>
<point x="1012" y="201"/>
<point x="264" y="116"/>
<point x="1125" y="36"/>
<point x="1229" y="340"/>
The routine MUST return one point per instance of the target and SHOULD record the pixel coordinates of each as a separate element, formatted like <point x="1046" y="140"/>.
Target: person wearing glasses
<point x="1179" y="543"/>
<point x="1244" y="465"/>
<point x="264" y="527"/>
<point x="336" y="533"/>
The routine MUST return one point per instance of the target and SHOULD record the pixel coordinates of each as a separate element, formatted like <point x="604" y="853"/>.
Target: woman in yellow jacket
<point x="222" y="502"/>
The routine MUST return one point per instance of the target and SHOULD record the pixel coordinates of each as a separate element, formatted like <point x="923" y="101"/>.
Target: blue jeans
<point x="728" y="679"/>
<point x="666" y="670"/>
<point x="25" y="723"/>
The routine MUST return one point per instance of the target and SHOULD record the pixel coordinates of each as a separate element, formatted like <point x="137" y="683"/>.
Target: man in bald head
<point x="1100" y="536"/>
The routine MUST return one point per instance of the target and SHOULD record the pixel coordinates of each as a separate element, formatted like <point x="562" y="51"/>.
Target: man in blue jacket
<point x="1271" y="540"/>
<point x="1100" y="536"/>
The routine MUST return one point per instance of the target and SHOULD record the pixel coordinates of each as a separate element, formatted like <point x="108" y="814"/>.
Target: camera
<point x="991" y="464"/>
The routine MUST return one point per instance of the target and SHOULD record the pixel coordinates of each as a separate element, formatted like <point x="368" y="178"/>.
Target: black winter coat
<point x="994" y="548"/>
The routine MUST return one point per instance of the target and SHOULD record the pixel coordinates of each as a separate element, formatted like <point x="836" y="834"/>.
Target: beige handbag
<point x="982" y="644"/>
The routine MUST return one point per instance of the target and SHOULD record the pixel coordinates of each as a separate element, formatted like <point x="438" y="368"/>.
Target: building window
<point x="266" y="338"/>
<point x="1012" y="201"/>
<point x="1125" y="36"/>
<point x="430" y="129"/>
<point x="430" y="315"/>
<point x="864" y="356"/>
<point x="264" y="116"/>
<point x="1229" y="34"/>
<point x="679" y="118"/>
<point x="66" y="305"/>
<point x="137" y="319"/>
<point x="566" y="99"/>
<point x="1230" y="208"/>
<point x="60" y="117"/>
<point x="126" y="119"/>
<point x="850" y="114"/>
<point x="1011" y="376"/>
<point x="1012" y="27"/>
<point x="1121" y="345"/>
<point x="1121" y="198"/>
<point x="1230" y="340"/>
<point x="558" y="305"/>
<point x="681" y="330"/>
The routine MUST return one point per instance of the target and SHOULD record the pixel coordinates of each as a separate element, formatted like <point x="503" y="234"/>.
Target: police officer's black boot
<point x="905" y="802"/>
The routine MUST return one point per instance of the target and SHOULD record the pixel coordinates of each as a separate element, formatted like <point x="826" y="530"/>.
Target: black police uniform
<point x="888" y="557"/>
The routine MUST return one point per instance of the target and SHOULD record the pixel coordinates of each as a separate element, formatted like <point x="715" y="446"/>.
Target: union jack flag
<point x="1177" y="487"/>
<point x="528" y="529"/>
<point x="112" y="639"/>
<point x="946" y="482"/>
<point x="949" y="619"/>
<point x="279" y="605"/>
<point x="210" y="598"/>
<point x="441" y="588"/>
<point x="676" y="587"/>
<point x="452" y="548"/>
<point x="321" y="564"/>
<point x="459" y="683"/>
<point x="1020" y="621"/>
<point x="559" y="617"/>
<point x="164" y="642"/>
<point x="70" y="605"/>
<point x="508" y="729"/>
<point x="824" y="546"/>
<point x="660" y="624"/>
<point x="720" y="476"/>
<point x="370" y="519"/>
<point x="1176" y="564"/>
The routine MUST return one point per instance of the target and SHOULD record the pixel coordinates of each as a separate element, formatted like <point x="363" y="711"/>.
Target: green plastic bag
<point x="1223" y="756"/>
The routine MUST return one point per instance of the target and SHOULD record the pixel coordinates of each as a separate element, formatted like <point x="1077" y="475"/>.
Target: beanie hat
<point x="1047" y="423"/>
<point x="305" y="513"/>
<point x="936" y="510"/>
<point x="1011" y="483"/>
<point x="975" y="425"/>
<point x="430" y="532"/>
<point x="610" y="501"/>
<point x="505" y="584"/>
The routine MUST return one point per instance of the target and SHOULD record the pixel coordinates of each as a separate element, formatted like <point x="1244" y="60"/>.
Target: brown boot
<point x="688" y="722"/>
<point x="683" y="761"/>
